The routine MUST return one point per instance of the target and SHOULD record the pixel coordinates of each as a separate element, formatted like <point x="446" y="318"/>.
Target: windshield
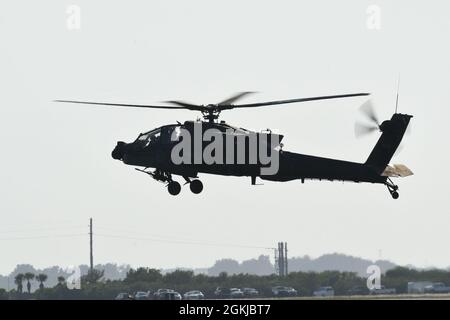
<point x="161" y="135"/>
<point x="146" y="139"/>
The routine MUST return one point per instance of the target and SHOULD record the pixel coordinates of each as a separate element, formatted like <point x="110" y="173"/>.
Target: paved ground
<point x="384" y="297"/>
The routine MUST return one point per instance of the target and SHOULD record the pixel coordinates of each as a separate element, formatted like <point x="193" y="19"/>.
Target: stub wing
<point x="397" y="170"/>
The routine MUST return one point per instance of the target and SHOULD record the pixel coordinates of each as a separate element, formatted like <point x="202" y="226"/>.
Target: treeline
<point x="93" y="286"/>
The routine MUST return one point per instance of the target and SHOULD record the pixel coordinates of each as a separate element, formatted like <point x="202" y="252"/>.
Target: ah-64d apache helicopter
<point x="153" y="149"/>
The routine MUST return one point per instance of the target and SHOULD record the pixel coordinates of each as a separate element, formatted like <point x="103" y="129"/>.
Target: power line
<point x="153" y="238"/>
<point x="166" y="238"/>
<point x="44" y="237"/>
<point x="145" y="237"/>
<point x="40" y="229"/>
<point x="201" y="243"/>
<point x="152" y="235"/>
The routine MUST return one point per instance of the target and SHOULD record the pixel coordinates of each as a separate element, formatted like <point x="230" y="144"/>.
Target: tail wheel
<point x="196" y="186"/>
<point x="392" y="188"/>
<point x="174" y="188"/>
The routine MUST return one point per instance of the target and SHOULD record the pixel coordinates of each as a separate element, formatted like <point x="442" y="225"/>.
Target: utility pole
<point x="285" y="259"/>
<point x="91" y="251"/>
<point x="276" y="263"/>
<point x="281" y="259"/>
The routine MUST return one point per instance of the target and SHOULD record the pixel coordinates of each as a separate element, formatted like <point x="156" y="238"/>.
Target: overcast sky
<point x="56" y="167"/>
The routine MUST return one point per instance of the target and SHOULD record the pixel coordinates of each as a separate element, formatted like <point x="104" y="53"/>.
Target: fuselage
<point x="154" y="149"/>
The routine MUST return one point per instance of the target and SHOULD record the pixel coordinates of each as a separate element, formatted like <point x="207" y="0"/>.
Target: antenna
<point x="90" y="246"/>
<point x="398" y="89"/>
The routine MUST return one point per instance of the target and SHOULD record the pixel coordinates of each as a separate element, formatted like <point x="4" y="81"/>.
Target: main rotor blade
<point x="269" y="103"/>
<point x="186" y="105"/>
<point x="235" y="97"/>
<point x="362" y="129"/>
<point x="369" y="111"/>
<point x="119" y="104"/>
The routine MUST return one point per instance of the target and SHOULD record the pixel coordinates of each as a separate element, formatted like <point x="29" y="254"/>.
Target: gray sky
<point x="56" y="170"/>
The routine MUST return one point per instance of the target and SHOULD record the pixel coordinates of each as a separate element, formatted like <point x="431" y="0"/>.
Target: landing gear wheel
<point x="392" y="188"/>
<point x="174" y="188"/>
<point x="196" y="186"/>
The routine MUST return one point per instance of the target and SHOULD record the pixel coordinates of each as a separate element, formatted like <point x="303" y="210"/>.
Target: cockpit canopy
<point x="145" y="139"/>
<point x="159" y="135"/>
<point x="163" y="135"/>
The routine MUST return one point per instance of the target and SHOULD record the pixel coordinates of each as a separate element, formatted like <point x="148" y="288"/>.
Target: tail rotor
<point x="371" y="124"/>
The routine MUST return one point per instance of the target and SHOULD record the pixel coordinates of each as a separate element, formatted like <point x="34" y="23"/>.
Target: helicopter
<point x="154" y="150"/>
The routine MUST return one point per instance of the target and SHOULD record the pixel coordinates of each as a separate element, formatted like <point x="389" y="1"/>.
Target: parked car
<point x="222" y="293"/>
<point x="250" y="292"/>
<point x="194" y="295"/>
<point x="280" y="291"/>
<point x="418" y="287"/>
<point x="236" y="293"/>
<point x="357" y="291"/>
<point x="437" y="287"/>
<point x="324" y="292"/>
<point x="123" y="296"/>
<point x="142" y="295"/>
<point x="169" y="295"/>
<point x="383" y="290"/>
<point x="177" y="296"/>
<point x="158" y="293"/>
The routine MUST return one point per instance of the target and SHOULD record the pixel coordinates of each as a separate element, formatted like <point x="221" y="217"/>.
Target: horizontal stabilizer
<point x="397" y="170"/>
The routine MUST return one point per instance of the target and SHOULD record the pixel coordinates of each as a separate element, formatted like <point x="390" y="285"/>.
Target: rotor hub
<point x="211" y="112"/>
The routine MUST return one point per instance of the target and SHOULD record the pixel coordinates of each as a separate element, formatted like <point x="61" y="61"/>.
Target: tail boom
<point x="393" y="132"/>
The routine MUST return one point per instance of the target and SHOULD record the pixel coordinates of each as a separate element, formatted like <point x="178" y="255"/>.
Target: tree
<point x="61" y="281"/>
<point x="18" y="280"/>
<point x="222" y="276"/>
<point x="41" y="278"/>
<point x="179" y="277"/>
<point x="3" y="294"/>
<point x="93" y="276"/>
<point x="143" y="275"/>
<point x="29" y="276"/>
